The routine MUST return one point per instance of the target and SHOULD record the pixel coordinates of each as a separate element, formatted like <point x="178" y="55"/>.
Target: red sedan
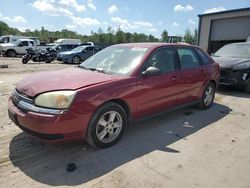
<point x="97" y="99"/>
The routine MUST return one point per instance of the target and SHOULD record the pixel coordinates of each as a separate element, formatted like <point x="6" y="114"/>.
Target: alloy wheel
<point x="208" y="96"/>
<point x="109" y="126"/>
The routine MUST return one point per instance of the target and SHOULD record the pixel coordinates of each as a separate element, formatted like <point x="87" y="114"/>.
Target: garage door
<point x="230" y="29"/>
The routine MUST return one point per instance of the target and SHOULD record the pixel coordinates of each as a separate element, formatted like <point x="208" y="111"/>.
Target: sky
<point x="82" y="16"/>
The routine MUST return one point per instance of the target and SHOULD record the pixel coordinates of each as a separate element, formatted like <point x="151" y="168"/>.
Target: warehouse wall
<point x="206" y="22"/>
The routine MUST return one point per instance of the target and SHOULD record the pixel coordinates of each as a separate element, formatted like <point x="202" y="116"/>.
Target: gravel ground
<point x="184" y="148"/>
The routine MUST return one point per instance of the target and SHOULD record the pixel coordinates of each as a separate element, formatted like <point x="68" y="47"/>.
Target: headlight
<point x="242" y="66"/>
<point x="55" y="99"/>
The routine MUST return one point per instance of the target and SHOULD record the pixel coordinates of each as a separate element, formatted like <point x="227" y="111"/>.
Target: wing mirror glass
<point x="151" y="71"/>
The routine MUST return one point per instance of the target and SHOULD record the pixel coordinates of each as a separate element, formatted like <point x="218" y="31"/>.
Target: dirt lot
<point x="184" y="148"/>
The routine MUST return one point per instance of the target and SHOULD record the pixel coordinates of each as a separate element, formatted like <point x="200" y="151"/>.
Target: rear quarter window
<point x="188" y="58"/>
<point x="204" y="58"/>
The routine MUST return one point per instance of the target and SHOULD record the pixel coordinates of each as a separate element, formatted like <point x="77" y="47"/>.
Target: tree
<point x="196" y="36"/>
<point x="188" y="37"/>
<point x="109" y="36"/>
<point x="164" y="36"/>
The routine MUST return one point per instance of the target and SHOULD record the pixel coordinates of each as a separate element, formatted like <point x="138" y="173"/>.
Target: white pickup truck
<point x="19" y="47"/>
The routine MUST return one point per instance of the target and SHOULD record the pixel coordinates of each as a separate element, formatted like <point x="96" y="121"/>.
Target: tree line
<point x="100" y="36"/>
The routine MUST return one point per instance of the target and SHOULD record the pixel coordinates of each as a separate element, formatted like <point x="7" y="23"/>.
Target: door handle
<point x="174" y="78"/>
<point x="202" y="71"/>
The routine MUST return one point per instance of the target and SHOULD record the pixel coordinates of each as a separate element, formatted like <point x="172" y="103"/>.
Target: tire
<point x="207" y="97"/>
<point x="247" y="88"/>
<point x="25" y="60"/>
<point x="11" y="53"/>
<point x="76" y="60"/>
<point x="107" y="125"/>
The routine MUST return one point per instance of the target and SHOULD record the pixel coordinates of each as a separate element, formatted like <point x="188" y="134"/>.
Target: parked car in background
<point x="13" y="38"/>
<point x="68" y="41"/>
<point x="120" y="84"/>
<point x="234" y="61"/>
<point x="19" y="47"/>
<point x="64" y="47"/>
<point x="78" y="55"/>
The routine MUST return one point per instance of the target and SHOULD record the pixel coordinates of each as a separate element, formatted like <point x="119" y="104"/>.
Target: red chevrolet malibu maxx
<point x="97" y="99"/>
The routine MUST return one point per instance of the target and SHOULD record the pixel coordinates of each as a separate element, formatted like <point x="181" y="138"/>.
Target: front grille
<point x="17" y="97"/>
<point x="225" y="72"/>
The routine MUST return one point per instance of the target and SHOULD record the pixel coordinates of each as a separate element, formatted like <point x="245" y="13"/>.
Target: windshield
<point x="55" y="46"/>
<point x="234" y="50"/>
<point x="116" y="60"/>
<point x="79" y="49"/>
<point x="17" y="42"/>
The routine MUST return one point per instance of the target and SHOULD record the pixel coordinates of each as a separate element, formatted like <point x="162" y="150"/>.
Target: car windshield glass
<point x="79" y="49"/>
<point x="234" y="50"/>
<point x="17" y="42"/>
<point x="55" y="46"/>
<point x="116" y="60"/>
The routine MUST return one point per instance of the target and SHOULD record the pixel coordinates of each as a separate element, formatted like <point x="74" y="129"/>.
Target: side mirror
<point x="20" y="45"/>
<point x="151" y="71"/>
<point x="211" y="54"/>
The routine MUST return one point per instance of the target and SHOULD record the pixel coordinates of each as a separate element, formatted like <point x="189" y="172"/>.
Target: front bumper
<point x="51" y="128"/>
<point x="238" y="78"/>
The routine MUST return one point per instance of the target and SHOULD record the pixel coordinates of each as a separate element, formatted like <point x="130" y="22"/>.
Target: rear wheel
<point x="107" y="125"/>
<point x="76" y="60"/>
<point x="208" y="97"/>
<point x="11" y="53"/>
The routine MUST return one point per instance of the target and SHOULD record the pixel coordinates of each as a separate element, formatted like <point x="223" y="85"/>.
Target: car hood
<point x="65" y="79"/>
<point x="226" y="62"/>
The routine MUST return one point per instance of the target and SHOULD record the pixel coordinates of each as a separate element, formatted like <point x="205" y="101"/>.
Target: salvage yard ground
<point x="184" y="148"/>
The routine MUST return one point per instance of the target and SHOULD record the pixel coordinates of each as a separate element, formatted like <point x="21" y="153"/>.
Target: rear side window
<point x="203" y="57"/>
<point x="97" y="49"/>
<point x="90" y="49"/>
<point x="188" y="58"/>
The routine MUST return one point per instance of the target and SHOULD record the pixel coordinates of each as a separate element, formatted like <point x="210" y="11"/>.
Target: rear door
<point x="158" y="92"/>
<point x="192" y="74"/>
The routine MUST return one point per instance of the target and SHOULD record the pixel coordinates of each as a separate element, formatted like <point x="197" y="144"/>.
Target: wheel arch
<point x="122" y="103"/>
<point x="7" y="51"/>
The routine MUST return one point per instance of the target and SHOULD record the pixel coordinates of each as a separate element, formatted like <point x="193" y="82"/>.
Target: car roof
<point x="237" y="43"/>
<point x="150" y="45"/>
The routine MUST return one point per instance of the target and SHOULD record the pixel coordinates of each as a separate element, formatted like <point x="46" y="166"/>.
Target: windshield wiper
<point x="92" y="69"/>
<point x="83" y="67"/>
<point x="98" y="70"/>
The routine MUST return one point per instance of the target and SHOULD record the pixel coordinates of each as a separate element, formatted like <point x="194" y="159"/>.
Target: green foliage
<point x="164" y="36"/>
<point x="191" y="38"/>
<point x="110" y="36"/>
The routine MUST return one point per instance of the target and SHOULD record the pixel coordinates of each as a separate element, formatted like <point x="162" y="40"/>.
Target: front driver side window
<point x="163" y="59"/>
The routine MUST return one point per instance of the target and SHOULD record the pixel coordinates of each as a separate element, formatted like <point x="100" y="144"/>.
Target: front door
<point x="158" y="92"/>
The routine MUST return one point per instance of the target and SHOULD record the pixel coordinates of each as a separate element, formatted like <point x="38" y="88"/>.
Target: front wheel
<point x="107" y="125"/>
<point x="25" y="60"/>
<point x="76" y="60"/>
<point x="208" y="97"/>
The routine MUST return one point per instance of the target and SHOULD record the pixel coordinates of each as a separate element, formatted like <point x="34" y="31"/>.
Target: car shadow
<point x="231" y="91"/>
<point x="47" y="163"/>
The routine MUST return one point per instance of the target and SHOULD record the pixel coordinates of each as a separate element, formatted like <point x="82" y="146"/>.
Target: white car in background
<point x="19" y="47"/>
